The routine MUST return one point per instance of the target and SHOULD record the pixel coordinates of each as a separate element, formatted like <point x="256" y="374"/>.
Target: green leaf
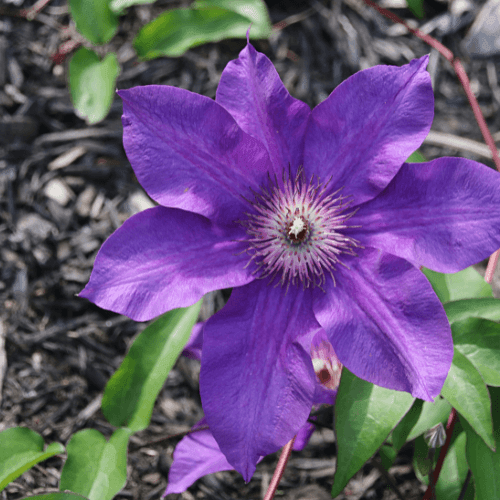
<point x="479" y="340"/>
<point x="66" y="495"/>
<point x="454" y="471"/>
<point x="416" y="157"/>
<point x="402" y="431"/>
<point x="387" y="455"/>
<point x="253" y="10"/>
<point x="431" y="415"/>
<point x="20" y="449"/>
<point x="175" y="31"/>
<point x="118" y="6"/>
<point x="467" y="284"/>
<point x="487" y="308"/>
<point x="439" y="284"/>
<point x="483" y="462"/>
<point x="466" y="391"/>
<point x="416" y="7"/>
<point x="92" y="84"/>
<point x="96" y="468"/>
<point x="131" y="392"/>
<point x="364" y="416"/>
<point x="94" y="19"/>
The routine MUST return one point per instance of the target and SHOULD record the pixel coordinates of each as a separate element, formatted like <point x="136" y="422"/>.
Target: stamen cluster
<point x="296" y="230"/>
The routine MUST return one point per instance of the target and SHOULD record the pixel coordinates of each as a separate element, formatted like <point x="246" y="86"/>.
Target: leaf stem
<point x="442" y="454"/>
<point x="464" y="80"/>
<point x="280" y="469"/>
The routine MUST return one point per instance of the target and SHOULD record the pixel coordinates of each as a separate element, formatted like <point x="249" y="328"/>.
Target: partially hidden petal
<point x="161" y="259"/>
<point x="188" y="152"/>
<point x="369" y="125"/>
<point x="194" y="345"/>
<point x="444" y="215"/>
<point x="195" y="456"/>
<point x="327" y="367"/>
<point x="386" y="324"/>
<point x="256" y="382"/>
<point x="251" y="90"/>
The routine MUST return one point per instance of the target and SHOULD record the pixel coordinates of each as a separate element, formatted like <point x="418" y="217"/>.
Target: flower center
<point x="296" y="230"/>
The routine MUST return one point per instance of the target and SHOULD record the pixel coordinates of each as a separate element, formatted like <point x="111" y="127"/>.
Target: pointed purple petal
<point x="256" y="382"/>
<point x="444" y="215"/>
<point x="303" y="436"/>
<point x="161" y="259"/>
<point x="251" y="90"/>
<point x="386" y="324"/>
<point x="364" y="131"/>
<point x="196" y="455"/>
<point x="188" y="152"/>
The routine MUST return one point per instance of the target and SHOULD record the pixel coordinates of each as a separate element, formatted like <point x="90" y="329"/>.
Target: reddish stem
<point x="280" y="469"/>
<point x="464" y="80"/>
<point x="442" y="454"/>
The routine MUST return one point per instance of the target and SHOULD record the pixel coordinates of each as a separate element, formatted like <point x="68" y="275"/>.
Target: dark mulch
<point x="64" y="187"/>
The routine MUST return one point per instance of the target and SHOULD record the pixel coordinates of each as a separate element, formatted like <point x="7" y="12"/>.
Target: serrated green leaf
<point x="416" y="7"/>
<point x="20" y="449"/>
<point x="96" y="468"/>
<point x="65" y="495"/>
<point x="131" y="392"/>
<point x="402" y="431"/>
<point x="487" y="308"/>
<point x="92" y="84"/>
<point x="175" y="31"/>
<point x="466" y="391"/>
<point x="118" y="6"/>
<point x="94" y="19"/>
<point x="483" y="462"/>
<point x="364" y="416"/>
<point x="439" y="284"/>
<point x="479" y="341"/>
<point x="431" y="415"/>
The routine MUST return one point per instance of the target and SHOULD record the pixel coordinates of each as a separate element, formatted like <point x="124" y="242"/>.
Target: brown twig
<point x="434" y="476"/>
<point x="464" y="80"/>
<point x="280" y="469"/>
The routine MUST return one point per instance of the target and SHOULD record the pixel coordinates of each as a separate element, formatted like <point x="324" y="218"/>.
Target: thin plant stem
<point x="465" y="486"/>
<point x="434" y="476"/>
<point x="464" y="80"/>
<point x="280" y="469"/>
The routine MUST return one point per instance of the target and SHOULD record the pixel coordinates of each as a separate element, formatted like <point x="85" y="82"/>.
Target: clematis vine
<point x="198" y="454"/>
<point x="316" y="222"/>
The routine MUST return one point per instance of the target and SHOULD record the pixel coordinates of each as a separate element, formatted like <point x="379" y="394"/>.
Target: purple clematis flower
<point x="315" y="220"/>
<point x="198" y="453"/>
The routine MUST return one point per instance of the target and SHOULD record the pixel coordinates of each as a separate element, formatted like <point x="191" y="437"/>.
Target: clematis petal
<point x="256" y="382"/>
<point x="251" y="90"/>
<point x="444" y="215"/>
<point x="386" y="324"/>
<point x="198" y="454"/>
<point x="188" y="152"/>
<point x="161" y="259"/>
<point x="194" y="345"/>
<point x="195" y="456"/>
<point x="368" y="126"/>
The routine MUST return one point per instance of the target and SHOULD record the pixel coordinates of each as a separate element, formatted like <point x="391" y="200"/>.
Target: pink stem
<point x="280" y="469"/>
<point x="464" y="80"/>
